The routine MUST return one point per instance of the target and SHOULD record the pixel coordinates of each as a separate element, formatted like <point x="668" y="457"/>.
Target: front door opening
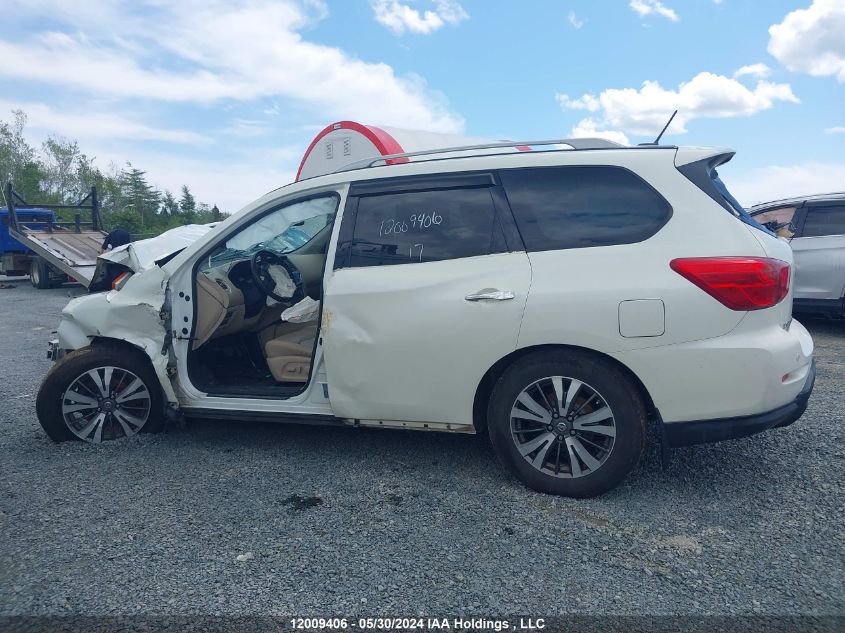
<point x="257" y="303"/>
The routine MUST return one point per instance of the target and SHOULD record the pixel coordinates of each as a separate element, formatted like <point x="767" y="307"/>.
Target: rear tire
<point x="99" y="393"/>
<point x="567" y="423"/>
<point x="39" y="273"/>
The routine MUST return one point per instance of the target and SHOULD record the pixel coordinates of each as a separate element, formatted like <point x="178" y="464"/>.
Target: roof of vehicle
<point x="450" y="159"/>
<point x="783" y="202"/>
<point x="487" y="149"/>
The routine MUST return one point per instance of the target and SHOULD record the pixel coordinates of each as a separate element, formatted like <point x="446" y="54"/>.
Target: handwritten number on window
<point x="420" y="221"/>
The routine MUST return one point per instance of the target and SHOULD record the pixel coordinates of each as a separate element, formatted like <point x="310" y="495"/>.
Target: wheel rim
<point x="563" y="427"/>
<point x="106" y="403"/>
<point x="34" y="273"/>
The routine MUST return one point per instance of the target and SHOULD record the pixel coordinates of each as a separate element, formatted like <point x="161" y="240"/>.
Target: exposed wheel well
<point x="129" y="349"/>
<point x="485" y="387"/>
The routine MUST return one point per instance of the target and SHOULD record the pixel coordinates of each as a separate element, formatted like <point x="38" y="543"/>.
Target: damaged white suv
<point x="560" y="301"/>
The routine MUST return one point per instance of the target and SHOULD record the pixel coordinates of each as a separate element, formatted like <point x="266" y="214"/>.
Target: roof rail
<point x="574" y="143"/>
<point x="813" y="197"/>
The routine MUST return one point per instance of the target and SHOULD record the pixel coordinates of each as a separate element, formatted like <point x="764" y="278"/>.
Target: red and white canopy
<point x="345" y="142"/>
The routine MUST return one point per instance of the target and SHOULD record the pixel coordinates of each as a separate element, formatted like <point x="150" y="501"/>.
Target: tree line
<point x="60" y="173"/>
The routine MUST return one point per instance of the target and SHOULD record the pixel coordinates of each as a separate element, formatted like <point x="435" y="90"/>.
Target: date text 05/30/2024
<point x="420" y="624"/>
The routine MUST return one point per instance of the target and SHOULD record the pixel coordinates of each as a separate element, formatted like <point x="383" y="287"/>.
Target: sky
<point x="226" y="95"/>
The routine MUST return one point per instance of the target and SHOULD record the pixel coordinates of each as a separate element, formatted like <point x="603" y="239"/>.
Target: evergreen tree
<point x="187" y="204"/>
<point x="169" y="206"/>
<point x="138" y="195"/>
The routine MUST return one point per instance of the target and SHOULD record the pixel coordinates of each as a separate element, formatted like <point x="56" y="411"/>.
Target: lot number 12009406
<point x="417" y="221"/>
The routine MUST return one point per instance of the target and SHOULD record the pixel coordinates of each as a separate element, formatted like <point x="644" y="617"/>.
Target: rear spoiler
<point x="698" y="163"/>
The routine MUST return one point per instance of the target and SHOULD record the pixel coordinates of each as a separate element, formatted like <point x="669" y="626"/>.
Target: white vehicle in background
<point x="560" y="301"/>
<point x="815" y="228"/>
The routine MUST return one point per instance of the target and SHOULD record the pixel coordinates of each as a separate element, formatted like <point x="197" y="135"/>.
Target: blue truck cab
<point x="15" y="258"/>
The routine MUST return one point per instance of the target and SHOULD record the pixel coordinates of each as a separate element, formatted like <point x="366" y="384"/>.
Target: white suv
<point x="560" y="301"/>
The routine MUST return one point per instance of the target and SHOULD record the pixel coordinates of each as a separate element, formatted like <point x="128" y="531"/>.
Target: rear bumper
<point x="675" y="434"/>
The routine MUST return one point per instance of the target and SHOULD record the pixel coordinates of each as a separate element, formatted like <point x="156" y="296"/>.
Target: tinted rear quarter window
<point x="576" y="207"/>
<point x="424" y="226"/>
<point x="825" y="221"/>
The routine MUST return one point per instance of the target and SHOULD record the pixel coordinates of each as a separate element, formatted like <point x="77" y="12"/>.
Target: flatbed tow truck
<point x="54" y="251"/>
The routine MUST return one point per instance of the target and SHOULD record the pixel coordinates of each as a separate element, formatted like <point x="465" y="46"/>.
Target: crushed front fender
<point x="133" y="314"/>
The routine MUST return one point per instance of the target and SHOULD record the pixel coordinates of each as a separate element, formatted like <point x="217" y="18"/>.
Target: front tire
<point x="100" y="393"/>
<point x="567" y="423"/>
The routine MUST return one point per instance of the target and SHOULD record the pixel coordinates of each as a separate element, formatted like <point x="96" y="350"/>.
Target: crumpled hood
<point x="143" y="254"/>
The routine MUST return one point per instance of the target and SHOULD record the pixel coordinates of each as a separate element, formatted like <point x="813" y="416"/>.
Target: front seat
<point x="289" y="352"/>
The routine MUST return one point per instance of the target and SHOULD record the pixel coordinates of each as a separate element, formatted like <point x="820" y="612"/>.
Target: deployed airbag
<point x="285" y="287"/>
<point x="302" y="312"/>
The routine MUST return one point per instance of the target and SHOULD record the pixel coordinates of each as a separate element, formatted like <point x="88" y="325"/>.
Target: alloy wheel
<point x="563" y="427"/>
<point x="106" y="403"/>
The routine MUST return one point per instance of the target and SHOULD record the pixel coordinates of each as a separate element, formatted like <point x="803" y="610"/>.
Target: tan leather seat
<point x="289" y="352"/>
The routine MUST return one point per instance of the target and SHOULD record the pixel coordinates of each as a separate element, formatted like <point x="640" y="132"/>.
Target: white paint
<point x="642" y="317"/>
<point x="344" y="146"/>
<point x="328" y="156"/>
<point x="143" y="254"/>
<point x="402" y="345"/>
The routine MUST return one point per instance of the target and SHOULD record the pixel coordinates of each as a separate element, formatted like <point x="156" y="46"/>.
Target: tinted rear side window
<point x="576" y="207"/>
<point x="824" y="221"/>
<point x="424" y="226"/>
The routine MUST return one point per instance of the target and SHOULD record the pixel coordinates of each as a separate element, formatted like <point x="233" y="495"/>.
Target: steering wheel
<point x="260" y="264"/>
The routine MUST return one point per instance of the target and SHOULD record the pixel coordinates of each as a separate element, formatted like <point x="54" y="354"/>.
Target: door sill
<point x="262" y="416"/>
<point x="270" y="392"/>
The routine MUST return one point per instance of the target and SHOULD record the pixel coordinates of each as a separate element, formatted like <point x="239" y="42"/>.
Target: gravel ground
<point x="336" y="521"/>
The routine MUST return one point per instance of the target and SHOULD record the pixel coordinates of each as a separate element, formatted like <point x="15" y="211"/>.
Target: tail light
<point x="120" y="280"/>
<point x="740" y="283"/>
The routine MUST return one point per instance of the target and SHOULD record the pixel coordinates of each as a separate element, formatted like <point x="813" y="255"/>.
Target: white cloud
<point x="241" y="51"/>
<point x="647" y="7"/>
<point x="836" y="129"/>
<point x="400" y="18"/>
<point x="645" y="110"/>
<point x="96" y="125"/>
<point x="785" y="181"/>
<point x="587" y="102"/>
<point x="811" y="40"/>
<point x="247" y="128"/>
<point x="753" y="70"/>
<point x="574" y="21"/>
<point x="588" y="128"/>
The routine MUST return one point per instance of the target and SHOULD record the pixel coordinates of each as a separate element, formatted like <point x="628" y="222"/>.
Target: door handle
<point x="493" y="295"/>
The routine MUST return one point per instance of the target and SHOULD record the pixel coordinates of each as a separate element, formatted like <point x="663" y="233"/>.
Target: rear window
<point x="577" y="207"/>
<point x="824" y="221"/>
<point x="734" y="204"/>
